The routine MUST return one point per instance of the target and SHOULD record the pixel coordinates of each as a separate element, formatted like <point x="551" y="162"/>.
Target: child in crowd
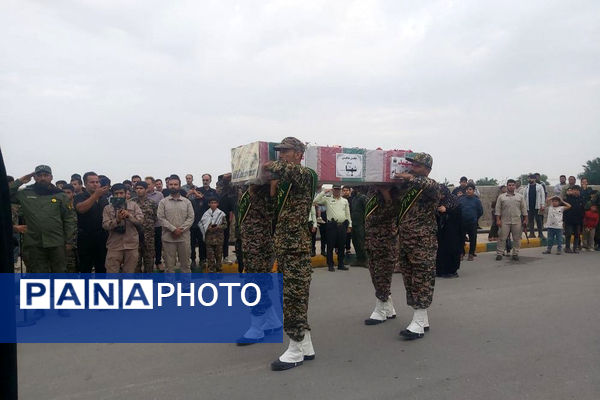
<point x="573" y="218"/>
<point x="213" y="225"/>
<point x="590" y="221"/>
<point x="554" y="223"/>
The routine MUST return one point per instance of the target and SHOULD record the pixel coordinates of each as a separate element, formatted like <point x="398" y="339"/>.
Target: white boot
<point x="390" y="312"/>
<point x="292" y="357"/>
<point x="426" y="322"/>
<point x="255" y="333"/>
<point x="307" y="347"/>
<point x="378" y="315"/>
<point x="271" y="321"/>
<point x="416" y="328"/>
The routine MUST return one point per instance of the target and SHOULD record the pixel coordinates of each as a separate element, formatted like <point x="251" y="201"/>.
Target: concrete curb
<point x="320" y="261"/>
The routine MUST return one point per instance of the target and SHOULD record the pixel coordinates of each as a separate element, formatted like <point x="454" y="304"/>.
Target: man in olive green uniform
<point x="50" y="224"/>
<point x="72" y="259"/>
<point x="417" y="231"/>
<point x="149" y="208"/>
<point x="296" y="187"/>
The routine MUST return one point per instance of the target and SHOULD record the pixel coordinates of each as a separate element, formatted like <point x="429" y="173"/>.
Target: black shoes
<point x="515" y="257"/>
<point x="331" y="269"/>
<point x="343" y="268"/>
<point x="278" y="365"/>
<point x="410" y="335"/>
<point x="247" y="341"/>
<point x="498" y="257"/>
<point x="372" y="321"/>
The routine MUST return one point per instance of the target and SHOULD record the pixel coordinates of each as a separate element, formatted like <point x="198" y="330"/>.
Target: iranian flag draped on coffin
<point x="332" y="164"/>
<point x="355" y="165"/>
<point x="247" y="162"/>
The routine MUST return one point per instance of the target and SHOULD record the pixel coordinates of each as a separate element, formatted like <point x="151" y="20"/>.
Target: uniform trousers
<point x="46" y="259"/>
<point x="336" y="239"/>
<point x="505" y="230"/>
<point x="115" y="258"/>
<point x="177" y="250"/>
<point x="296" y="269"/>
<point x="417" y="265"/>
<point x="383" y="255"/>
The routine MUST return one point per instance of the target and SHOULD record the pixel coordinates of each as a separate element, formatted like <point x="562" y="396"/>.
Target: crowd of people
<point x="134" y="226"/>
<point x="416" y="227"/>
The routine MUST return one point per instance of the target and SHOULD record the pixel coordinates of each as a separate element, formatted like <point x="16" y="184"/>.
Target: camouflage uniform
<point x="295" y="193"/>
<point x="72" y="259"/>
<point x="381" y="241"/>
<point x="256" y="230"/>
<point x="214" y="239"/>
<point x="149" y="209"/>
<point x="418" y="237"/>
<point x="357" y="211"/>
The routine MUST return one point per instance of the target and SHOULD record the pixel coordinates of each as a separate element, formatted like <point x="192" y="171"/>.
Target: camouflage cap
<point x="421" y="158"/>
<point x="291" y="143"/>
<point x="43" y="168"/>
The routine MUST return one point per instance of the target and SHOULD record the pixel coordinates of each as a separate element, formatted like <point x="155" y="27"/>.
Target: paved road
<point x="503" y="330"/>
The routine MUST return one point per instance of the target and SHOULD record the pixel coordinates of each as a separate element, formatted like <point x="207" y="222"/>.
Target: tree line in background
<point x="591" y="170"/>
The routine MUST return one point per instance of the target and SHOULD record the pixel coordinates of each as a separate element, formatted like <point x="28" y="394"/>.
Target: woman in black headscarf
<point x="450" y="235"/>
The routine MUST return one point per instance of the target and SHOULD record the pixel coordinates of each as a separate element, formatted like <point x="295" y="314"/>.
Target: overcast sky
<point x="157" y="87"/>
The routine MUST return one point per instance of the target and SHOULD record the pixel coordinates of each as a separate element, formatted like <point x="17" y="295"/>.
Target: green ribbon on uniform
<point x="408" y="200"/>
<point x="283" y="190"/>
<point x="314" y="181"/>
<point x="244" y="206"/>
<point x="371" y="205"/>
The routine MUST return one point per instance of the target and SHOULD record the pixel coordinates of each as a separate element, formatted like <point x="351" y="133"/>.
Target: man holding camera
<point x="121" y="218"/>
<point x="91" y="238"/>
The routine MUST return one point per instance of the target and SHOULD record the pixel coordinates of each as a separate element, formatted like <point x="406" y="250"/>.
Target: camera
<point x="118" y="204"/>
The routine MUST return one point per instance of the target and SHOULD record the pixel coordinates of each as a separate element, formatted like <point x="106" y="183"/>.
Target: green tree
<point x="591" y="171"/>
<point x="524" y="179"/>
<point x="486" y="182"/>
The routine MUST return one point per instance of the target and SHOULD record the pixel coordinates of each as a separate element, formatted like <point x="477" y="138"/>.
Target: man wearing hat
<point x="50" y="223"/>
<point x="417" y="228"/>
<point x="339" y="223"/>
<point x="149" y="209"/>
<point x="295" y="191"/>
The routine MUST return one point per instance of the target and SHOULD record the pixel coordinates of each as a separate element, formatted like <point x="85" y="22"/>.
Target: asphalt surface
<point x="503" y="330"/>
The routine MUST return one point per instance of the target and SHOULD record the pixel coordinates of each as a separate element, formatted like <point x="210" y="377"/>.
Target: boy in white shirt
<point x="212" y="225"/>
<point x="554" y="223"/>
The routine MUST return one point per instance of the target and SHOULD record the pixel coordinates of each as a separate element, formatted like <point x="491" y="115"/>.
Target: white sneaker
<point x="378" y="315"/>
<point x="388" y="306"/>
<point x="416" y="328"/>
<point x="307" y="347"/>
<point x="293" y="357"/>
<point x="271" y="322"/>
<point x="255" y="333"/>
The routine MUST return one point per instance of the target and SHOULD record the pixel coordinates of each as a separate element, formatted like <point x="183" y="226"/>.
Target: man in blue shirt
<point x="472" y="210"/>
